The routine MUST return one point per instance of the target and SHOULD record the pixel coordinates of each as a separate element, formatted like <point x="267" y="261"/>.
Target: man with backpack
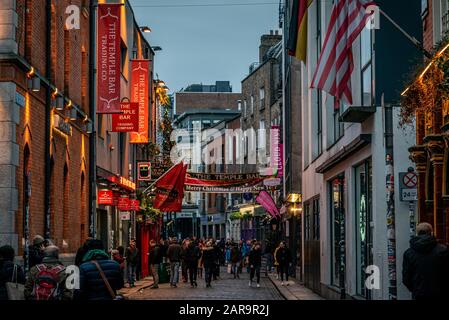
<point x="46" y="281"/>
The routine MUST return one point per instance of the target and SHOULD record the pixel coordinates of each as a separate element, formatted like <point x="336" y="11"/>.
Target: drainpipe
<point x="48" y="72"/>
<point x="92" y="115"/>
<point x="391" y="227"/>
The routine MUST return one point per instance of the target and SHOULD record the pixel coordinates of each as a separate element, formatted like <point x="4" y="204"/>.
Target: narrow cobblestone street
<point x="227" y="288"/>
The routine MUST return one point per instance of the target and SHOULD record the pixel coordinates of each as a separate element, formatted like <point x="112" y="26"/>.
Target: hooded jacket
<point x="425" y="269"/>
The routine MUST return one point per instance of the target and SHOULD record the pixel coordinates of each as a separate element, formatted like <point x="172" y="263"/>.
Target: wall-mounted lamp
<point x="34" y="84"/>
<point x="89" y="128"/>
<point x="59" y="102"/>
<point x="73" y="114"/>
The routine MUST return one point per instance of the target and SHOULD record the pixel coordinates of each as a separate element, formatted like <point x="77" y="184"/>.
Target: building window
<point x="252" y="105"/>
<point x="316" y="219"/>
<point x="363" y="219"/>
<point x="338" y="231"/>
<point x="366" y="67"/>
<point x="441" y="19"/>
<point x="123" y="56"/>
<point x="262" y="97"/>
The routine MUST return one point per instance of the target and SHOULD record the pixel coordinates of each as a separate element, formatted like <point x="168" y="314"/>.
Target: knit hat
<point x="38" y="240"/>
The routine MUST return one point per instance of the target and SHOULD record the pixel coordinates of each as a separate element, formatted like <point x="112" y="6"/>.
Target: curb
<point x="278" y="289"/>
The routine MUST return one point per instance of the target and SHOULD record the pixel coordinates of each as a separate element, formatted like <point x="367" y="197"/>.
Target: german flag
<point x="297" y="41"/>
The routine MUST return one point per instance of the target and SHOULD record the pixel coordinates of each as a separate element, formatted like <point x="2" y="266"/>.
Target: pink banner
<point x="276" y="150"/>
<point x="265" y="199"/>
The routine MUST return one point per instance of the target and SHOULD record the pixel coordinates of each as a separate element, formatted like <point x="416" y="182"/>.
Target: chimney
<point x="267" y="41"/>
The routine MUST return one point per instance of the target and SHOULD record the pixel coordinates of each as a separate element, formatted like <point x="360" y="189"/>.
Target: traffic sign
<point x="408" y="182"/>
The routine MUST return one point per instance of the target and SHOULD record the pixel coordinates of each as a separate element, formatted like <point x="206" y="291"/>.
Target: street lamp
<point x="145" y="29"/>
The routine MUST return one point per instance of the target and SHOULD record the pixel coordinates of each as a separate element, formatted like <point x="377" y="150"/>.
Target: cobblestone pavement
<point x="227" y="288"/>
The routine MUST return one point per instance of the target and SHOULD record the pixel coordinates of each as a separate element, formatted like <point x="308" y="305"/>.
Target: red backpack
<point x="46" y="286"/>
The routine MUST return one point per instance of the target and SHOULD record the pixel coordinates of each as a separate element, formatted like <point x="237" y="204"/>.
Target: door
<point x="312" y="254"/>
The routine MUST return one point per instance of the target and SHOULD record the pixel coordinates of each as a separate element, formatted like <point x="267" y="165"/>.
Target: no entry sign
<point x="408" y="182"/>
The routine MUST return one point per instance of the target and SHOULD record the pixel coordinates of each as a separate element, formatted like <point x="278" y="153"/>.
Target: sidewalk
<point x="294" y="290"/>
<point x="140" y="285"/>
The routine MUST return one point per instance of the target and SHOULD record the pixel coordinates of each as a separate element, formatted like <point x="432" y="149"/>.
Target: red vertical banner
<point x="108" y="58"/>
<point x="140" y="84"/>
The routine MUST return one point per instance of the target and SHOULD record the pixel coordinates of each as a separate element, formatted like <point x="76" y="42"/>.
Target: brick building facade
<point x="46" y="149"/>
<point x="431" y="151"/>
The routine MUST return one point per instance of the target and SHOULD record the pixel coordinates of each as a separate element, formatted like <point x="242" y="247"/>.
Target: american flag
<point x="335" y="65"/>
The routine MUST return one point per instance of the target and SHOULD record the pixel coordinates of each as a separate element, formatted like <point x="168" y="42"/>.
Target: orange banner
<point x="140" y="84"/>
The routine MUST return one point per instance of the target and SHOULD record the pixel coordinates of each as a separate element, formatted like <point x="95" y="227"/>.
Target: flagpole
<point x="412" y="39"/>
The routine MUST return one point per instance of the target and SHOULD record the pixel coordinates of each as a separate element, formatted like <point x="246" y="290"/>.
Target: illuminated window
<point x="338" y="231"/>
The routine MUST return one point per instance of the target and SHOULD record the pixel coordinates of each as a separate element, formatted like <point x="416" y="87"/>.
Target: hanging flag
<point x="140" y="84"/>
<point x="128" y="120"/>
<point x="108" y="57"/>
<point x="297" y="40"/>
<point x="170" y="189"/>
<point x="335" y="65"/>
<point x="265" y="199"/>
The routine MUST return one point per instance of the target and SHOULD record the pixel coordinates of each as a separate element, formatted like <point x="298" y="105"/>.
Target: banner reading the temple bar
<point x="128" y="120"/>
<point x="140" y="84"/>
<point x="108" y="58"/>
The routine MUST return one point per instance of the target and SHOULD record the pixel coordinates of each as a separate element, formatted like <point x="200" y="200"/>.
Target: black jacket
<point x="92" y="286"/>
<point x="155" y="256"/>
<point x="283" y="256"/>
<point x="425" y="269"/>
<point x="192" y="254"/>
<point x="6" y="275"/>
<point x="255" y="258"/>
<point x="36" y="255"/>
<point x="132" y="256"/>
<point x="174" y="252"/>
<point x="209" y="257"/>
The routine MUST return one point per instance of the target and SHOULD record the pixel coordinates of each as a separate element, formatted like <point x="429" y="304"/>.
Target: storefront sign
<point x="134" y="205"/>
<point x="272" y="182"/>
<point x="109" y="62"/>
<point x="128" y="120"/>
<point x="140" y="84"/>
<point x="144" y="171"/>
<point x="123" y="203"/>
<point x="125" y="216"/>
<point x="105" y="197"/>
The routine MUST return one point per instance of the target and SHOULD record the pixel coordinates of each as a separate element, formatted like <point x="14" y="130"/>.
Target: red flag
<point x="170" y="189"/>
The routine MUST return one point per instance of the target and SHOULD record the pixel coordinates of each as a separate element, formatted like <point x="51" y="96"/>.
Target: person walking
<point x="209" y="259"/>
<point x="154" y="260"/>
<point x="174" y="256"/>
<point x="255" y="263"/>
<point x="132" y="258"/>
<point x="100" y="277"/>
<point x="269" y="256"/>
<point x="36" y="251"/>
<point x="46" y="281"/>
<point x="218" y="254"/>
<point x="9" y="271"/>
<point x="425" y="269"/>
<point x="117" y="256"/>
<point x="276" y="263"/>
<point x="201" y="246"/>
<point x="185" y="244"/>
<point x="236" y="258"/>
<point x="191" y="257"/>
<point x="284" y="258"/>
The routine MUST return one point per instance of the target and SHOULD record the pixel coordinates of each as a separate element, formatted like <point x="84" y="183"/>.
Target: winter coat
<point x="155" y="256"/>
<point x="425" y="269"/>
<point x="132" y="256"/>
<point x="36" y="255"/>
<point x="174" y="252"/>
<point x="6" y="275"/>
<point x="92" y="286"/>
<point x="192" y="254"/>
<point x="209" y="257"/>
<point x="283" y="256"/>
<point x="236" y="255"/>
<point x="117" y="257"/>
<point x="255" y="258"/>
<point x="33" y="277"/>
